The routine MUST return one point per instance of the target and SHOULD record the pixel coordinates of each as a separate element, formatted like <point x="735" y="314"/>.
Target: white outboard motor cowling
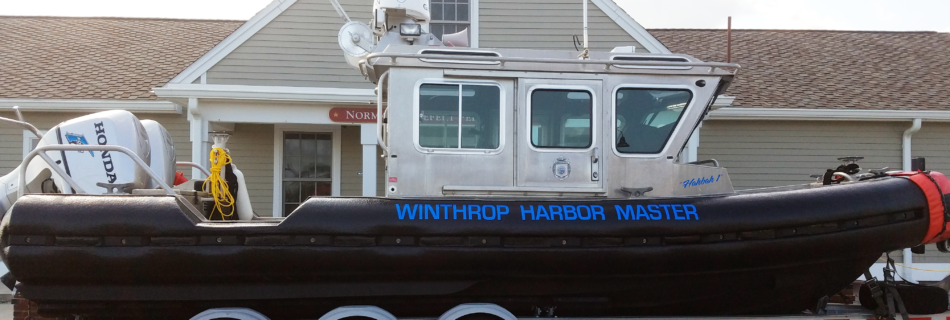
<point x="88" y="168"/>
<point x="162" y="150"/>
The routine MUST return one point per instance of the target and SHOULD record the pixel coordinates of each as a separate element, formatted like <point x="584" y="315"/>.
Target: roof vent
<point x="462" y="54"/>
<point x="672" y="61"/>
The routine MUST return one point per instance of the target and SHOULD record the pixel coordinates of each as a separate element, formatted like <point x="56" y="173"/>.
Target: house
<point x="279" y="83"/>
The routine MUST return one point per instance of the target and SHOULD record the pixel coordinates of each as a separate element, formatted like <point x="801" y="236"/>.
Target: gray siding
<point x="547" y="24"/>
<point x="252" y="150"/>
<point x="351" y="182"/>
<point x="933" y="143"/>
<point x="775" y="153"/>
<point x="11" y="137"/>
<point x="299" y="48"/>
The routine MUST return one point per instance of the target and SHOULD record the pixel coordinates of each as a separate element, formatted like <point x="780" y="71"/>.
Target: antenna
<point x="340" y="11"/>
<point x="585" y="54"/>
<point x="729" y="40"/>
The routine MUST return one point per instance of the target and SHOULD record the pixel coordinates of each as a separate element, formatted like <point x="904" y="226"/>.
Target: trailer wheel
<point x="230" y="313"/>
<point x="477" y="311"/>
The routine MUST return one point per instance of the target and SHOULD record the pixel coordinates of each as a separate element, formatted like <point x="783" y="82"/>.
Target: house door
<point x="560" y="141"/>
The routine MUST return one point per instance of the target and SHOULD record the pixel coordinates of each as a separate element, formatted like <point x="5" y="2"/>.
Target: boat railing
<point x="41" y="152"/>
<point x="194" y="165"/>
<point x="732" y="68"/>
<point x="714" y="162"/>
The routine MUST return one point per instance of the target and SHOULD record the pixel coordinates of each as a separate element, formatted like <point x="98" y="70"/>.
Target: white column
<point x="368" y="140"/>
<point x="692" y="147"/>
<point x="200" y="143"/>
<point x="908" y="274"/>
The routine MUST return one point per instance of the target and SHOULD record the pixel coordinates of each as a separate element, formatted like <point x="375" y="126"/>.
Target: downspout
<point x="906" y="146"/>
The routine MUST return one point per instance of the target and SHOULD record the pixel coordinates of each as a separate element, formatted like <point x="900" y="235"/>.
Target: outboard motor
<point x="93" y="169"/>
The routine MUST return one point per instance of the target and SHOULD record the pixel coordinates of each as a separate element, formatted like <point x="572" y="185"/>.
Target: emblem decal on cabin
<point x="562" y="168"/>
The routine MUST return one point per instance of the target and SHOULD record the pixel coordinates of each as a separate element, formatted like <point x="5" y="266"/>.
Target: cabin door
<point x="560" y="142"/>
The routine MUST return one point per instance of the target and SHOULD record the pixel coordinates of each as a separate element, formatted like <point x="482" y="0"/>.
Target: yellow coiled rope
<point x="217" y="186"/>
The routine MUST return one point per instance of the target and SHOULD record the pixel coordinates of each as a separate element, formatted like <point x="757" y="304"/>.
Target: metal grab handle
<point x="193" y="165"/>
<point x="370" y="60"/>
<point x="379" y="112"/>
<point x="844" y="175"/>
<point x="713" y="161"/>
<point x="40" y="151"/>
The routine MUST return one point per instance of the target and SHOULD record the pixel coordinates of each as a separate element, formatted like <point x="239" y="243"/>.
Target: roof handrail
<point x="728" y="67"/>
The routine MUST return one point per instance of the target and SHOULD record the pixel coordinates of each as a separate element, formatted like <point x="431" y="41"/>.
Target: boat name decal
<point x="656" y="211"/>
<point x="106" y="157"/>
<point x="701" y="181"/>
<point x="424" y="211"/>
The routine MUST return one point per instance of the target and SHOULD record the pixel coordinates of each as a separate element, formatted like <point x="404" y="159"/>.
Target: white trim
<point x="630" y="26"/>
<point x="234" y="40"/>
<point x="90" y="105"/>
<point x="224" y="91"/>
<point x="473" y="23"/>
<point x="335" y="175"/>
<point x="825" y="114"/>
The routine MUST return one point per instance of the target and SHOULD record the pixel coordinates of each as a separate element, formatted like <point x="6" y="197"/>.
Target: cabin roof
<point x="808" y="69"/>
<point x="99" y="58"/>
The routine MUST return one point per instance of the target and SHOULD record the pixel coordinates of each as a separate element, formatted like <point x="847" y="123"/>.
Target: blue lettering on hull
<point x="551" y="212"/>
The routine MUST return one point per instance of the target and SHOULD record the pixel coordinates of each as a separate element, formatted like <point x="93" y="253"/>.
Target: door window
<point x="561" y="118"/>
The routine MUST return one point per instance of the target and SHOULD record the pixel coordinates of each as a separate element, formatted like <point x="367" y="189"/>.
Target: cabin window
<point x="459" y="116"/>
<point x="645" y="118"/>
<point x="307" y="167"/>
<point x="561" y="118"/>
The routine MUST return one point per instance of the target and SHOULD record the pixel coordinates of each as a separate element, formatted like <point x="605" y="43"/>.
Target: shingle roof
<point x="99" y="58"/>
<point x="827" y="69"/>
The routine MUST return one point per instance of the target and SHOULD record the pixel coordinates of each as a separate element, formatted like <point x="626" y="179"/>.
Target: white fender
<point x="243" y="205"/>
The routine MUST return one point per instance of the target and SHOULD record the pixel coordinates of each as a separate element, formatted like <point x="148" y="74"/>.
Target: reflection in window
<point x="446" y="121"/>
<point x="646" y="118"/>
<point x="307" y="167"/>
<point x="561" y="118"/>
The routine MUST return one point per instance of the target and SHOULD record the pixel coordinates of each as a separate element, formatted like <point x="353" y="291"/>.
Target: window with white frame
<point x="307" y="167"/>
<point x="30" y="141"/>
<point x="450" y="16"/>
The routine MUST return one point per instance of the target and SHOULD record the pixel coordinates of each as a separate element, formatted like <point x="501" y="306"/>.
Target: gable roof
<point x="809" y="69"/>
<point x="99" y="58"/>
<point x="277" y="7"/>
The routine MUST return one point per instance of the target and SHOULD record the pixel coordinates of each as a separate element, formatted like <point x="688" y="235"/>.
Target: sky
<point x="878" y="15"/>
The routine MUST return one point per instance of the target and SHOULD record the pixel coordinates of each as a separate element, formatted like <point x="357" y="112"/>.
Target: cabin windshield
<point x="459" y="116"/>
<point x="645" y="118"/>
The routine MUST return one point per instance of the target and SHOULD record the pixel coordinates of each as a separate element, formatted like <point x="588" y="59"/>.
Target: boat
<point x="535" y="180"/>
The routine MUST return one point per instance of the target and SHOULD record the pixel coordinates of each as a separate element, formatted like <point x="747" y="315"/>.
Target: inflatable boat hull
<point x="766" y="252"/>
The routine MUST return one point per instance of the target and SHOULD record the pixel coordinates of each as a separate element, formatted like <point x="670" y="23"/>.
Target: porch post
<point x="368" y="140"/>
<point x="692" y="146"/>
<point x="200" y="144"/>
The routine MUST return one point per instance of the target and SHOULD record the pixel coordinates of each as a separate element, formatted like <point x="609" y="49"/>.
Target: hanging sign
<point x="365" y="115"/>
